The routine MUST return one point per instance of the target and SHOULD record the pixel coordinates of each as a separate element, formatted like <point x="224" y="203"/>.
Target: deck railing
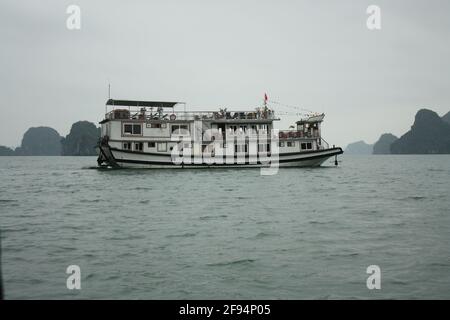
<point x="286" y="134"/>
<point x="324" y="144"/>
<point x="190" y="115"/>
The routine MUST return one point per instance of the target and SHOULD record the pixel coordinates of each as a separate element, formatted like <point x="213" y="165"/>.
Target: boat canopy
<point x="312" y="119"/>
<point x="135" y="103"/>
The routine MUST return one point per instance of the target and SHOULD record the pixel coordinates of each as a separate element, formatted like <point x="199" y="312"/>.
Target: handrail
<point x="285" y="134"/>
<point x="190" y="115"/>
<point x="324" y="143"/>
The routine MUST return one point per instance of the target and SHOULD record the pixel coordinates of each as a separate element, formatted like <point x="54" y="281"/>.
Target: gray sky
<point x="318" y="55"/>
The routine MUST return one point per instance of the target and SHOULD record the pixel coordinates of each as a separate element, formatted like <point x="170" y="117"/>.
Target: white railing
<point x="143" y="114"/>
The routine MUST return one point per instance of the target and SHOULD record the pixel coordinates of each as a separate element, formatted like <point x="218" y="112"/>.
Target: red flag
<point x="265" y="97"/>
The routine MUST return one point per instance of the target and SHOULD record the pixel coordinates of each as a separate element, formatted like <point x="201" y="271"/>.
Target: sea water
<point x="304" y="233"/>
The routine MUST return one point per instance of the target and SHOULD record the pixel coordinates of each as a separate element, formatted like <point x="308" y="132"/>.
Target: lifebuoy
<point x="173" y="116"/>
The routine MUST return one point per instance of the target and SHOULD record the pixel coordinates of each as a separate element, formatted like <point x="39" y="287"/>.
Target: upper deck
<point x="165" y="111"/>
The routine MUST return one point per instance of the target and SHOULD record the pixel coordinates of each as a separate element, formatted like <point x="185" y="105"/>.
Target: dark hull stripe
<point x="224" y="164"/>
<point x="338" y="151"/>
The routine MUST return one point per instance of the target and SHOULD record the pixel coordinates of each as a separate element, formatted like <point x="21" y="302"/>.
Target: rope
<point x="289" y="106"/>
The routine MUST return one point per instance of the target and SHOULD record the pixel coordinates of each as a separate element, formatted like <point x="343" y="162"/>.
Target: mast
<point x="109" y="97"/>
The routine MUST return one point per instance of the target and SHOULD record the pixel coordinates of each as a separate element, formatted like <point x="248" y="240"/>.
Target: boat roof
<point x="312" y="119"/>
<point x="138" y="103"/>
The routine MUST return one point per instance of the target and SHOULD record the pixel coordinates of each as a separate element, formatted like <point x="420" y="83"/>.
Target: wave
<point x="213" y="217"/>
<point x="183" y="235"/>
<point x="412" y="198"/>
<point x="230" y="263"/>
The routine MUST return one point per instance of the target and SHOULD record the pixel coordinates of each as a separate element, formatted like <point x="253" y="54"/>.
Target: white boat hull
<point x="131" y="159"/>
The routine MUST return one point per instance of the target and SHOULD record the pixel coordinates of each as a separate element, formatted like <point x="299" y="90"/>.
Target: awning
<point x="135" y="103"/>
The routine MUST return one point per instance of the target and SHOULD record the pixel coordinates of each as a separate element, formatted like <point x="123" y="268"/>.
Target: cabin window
<point x="263" y="127"/>
<point x="128" y="128"/>
<point x="135" y="129"/>
<point x="138" y="146"/>
<point x="306" y="146"/>
<point x="281" y="144"/>
<point x="151" y="144"/>
<point x="182" y="128"/>
<point x="127" y="146"/>
<point x="290" y="144"/>
<point x="162" y="146"/>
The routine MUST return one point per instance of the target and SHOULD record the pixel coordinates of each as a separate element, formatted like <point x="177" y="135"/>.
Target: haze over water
<point x="211" y="234"/>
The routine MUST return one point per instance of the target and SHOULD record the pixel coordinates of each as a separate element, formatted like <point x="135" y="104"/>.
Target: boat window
<point x="127" y="146"/>
<point x="290" y="144"/>
<point x="306" y="146"/>
<point x="151" y="144"/>
<point x="128" y="128"/>
<point x="138" y="146"/>
<point x="135" y="129"/>
<point x="162" y="146"/>
<point x="182" y="128"/>
<point x="281" y="144"/>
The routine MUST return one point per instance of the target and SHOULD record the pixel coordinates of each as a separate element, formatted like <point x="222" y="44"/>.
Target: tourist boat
<point x="154" y="134"/>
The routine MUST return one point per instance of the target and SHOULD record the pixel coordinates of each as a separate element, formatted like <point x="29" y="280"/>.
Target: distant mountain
<point x="81" y="140"/>
<point x="446" y="117"/>
<point x="429" y="134"/>
<point x="359" y="147"/>
<point x="5" y="151"/>
<point x="40" y="141"/>
<point x="383" y="145"/>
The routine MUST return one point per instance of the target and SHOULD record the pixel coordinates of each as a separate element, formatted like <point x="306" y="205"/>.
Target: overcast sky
<point x="318" y="55"/>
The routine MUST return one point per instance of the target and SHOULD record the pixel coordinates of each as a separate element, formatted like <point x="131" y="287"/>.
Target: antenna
<point x="109" y="97"/>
